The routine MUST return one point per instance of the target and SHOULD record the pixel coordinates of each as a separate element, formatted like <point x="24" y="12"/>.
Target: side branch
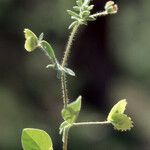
<point x="91" y="123"/>
<point x="100" y="14"/>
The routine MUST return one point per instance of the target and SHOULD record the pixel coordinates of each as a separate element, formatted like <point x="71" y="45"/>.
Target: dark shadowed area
<point x="111" y="59"/>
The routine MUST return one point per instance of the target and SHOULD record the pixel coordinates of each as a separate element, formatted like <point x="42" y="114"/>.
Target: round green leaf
<point x="35" y="139"/>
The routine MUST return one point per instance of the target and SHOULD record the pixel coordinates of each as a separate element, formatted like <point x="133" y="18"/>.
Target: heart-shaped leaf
<point x="31" y="42"/>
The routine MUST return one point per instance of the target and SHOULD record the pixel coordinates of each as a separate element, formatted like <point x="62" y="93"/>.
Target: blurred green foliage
<point x="30" y="96"/>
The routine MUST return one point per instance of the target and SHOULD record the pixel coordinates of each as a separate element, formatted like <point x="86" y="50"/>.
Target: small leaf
<point x="50" y="66"/>
<point x="79" y="2"/>
<point x="63" y="126"/>
<point x="48" y="49"/>
<point x="118" y="119"/>
<point x="74" y="18"/>
<point x="62" y="129"/>
<point x="84" y="7"/>
<point x="86" y="2"/>
<point x="69" y="71"/>
<point x="66" y="129"/>
<point x="121" y="122"/>
<point x="72" y="13"/>
<point x="28" y="33"/>
<point x="41" y="36"/>
<point x="71" y="112"/>
<point x="61" y="70"/>
<point x="35" y="139"/>
<point x="91" y="18"/>
<point x="118" y="108"/>
<point x="31" y="42"/>
<point x="76" y="8"/>
<point x="85" y="13"/>
<point x="90" y="7"/>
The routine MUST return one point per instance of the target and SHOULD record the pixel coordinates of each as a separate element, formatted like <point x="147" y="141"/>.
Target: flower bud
<point x="111" y="7"/>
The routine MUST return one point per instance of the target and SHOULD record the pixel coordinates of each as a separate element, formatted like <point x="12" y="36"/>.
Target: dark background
<point x="111" y="58"/>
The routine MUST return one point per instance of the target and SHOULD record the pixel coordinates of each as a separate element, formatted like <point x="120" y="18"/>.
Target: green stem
<point x="64" y="89"/>
<point x="90" y="123"/>
<point x="64" y="62"/>
<point x="65" y="143"/>
<point x="63" y="78"/>
<point x="103" y="13"/>
<point x="68" y="47"/>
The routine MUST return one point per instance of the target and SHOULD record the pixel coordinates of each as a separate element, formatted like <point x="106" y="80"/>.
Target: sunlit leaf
<point x="72" y="13"/>
<point x="118" y="119"/>
<point x="71" y="112"/>
<point x="48" y="49"/>
<point x="118" y="108"/>
<point x="28" y="33"/>
<point x="50" y="66"/>
<point x="41" y="36"/>
<point x="90" y="7"/>
<point x="79" y="2"/>
<point x="121" y="122"/>
<point x="76" y="8"/>
<point x="31" y="40"/>
<point x="69" y="71"/>
<point x="35" y="139"/>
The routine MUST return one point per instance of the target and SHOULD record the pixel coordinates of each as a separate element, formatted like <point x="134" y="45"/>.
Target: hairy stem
<point x="63" y="78"/>
<point x="103" y="13"/>
<point x="64" y="62"/>
<point x="65" y="143"/>
<point x="64" y="89"/>
<point x="68" y="47"/>
<point x="90" y="123"/>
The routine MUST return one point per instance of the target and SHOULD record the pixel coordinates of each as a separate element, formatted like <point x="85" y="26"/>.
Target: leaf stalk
<point x="91" y="123"/>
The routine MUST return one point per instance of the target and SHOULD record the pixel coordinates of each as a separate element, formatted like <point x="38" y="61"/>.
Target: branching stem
<point x="99" y="14"/>
<point x="64" y="62"/>
<point x="63" y="78"/>
<point x="90" y="123"/>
